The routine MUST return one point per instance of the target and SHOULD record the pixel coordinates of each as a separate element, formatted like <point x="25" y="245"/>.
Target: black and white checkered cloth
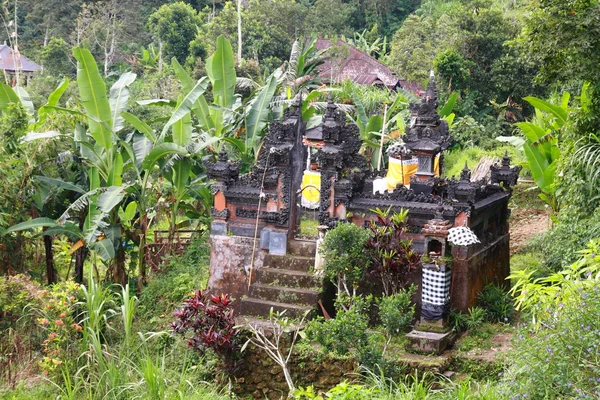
<point x="462" y="236"/>
<point x="436" y="286"/>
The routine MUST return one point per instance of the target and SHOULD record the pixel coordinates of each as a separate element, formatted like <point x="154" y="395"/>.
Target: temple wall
<point x="472" y="273"/>
<point x="230" y="260"/>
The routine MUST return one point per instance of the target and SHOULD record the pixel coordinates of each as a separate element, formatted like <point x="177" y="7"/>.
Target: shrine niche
<point x="258" y="213"/>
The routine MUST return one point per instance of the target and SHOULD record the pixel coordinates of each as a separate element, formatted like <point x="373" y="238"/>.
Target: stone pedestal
<point x="430" y="342"/>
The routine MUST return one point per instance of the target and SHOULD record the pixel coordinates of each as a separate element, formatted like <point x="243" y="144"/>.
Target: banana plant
<point x="541" y="144"/>
<point x="372" y="128"/>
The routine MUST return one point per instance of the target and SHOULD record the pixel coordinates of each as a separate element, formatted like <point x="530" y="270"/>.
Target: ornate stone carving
<point x="223" y="170"/>
<point x="504" y="174"/>
<point x="223" y="214"/>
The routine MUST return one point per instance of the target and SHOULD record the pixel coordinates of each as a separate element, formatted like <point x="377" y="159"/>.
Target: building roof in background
<point x="359" y="67"/>
<point x="7" y="61"/>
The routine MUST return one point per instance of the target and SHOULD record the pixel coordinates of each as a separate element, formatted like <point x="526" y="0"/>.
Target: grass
<point x="308" y="227"/>
<point x="480" y="338"/>
<point x="525" y="195"/>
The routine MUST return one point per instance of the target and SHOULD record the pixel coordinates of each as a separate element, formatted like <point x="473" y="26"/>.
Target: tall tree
<point x="175" y="26"/>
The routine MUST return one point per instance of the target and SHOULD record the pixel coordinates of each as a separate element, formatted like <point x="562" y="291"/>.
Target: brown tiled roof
<point x="359" y="67"/>
<point x="7" y="61"/>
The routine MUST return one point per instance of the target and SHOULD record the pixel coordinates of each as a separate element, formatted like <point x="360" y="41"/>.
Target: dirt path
<point x="526" y="223"/>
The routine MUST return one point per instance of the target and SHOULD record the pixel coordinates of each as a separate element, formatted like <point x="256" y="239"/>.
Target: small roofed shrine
<point x="257" y="215"/>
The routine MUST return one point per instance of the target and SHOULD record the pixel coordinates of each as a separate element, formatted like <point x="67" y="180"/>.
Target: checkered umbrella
<point x="462" y="236"/>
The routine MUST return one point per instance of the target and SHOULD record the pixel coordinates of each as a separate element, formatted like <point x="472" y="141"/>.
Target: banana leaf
<point x="93" y="97"/>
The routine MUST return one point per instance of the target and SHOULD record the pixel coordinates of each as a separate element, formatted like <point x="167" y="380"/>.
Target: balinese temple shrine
<point x="257" y="215"/>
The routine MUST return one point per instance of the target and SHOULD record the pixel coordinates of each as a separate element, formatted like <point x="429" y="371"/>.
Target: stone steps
<point x="284" y="283"/>
<point x="284" y="294"/>
<point x="257" y="307"/>
<point x="291" y="262"/>
<point x="287" y="277"/>
<point x="303" y="248"/>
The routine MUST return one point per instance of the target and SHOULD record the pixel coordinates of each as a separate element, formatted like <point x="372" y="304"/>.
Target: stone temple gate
<point x="256" y="215"/>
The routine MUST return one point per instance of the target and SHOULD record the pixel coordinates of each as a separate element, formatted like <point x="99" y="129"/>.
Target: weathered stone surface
<point x="307" y="368"/>
<point x="230" y="261"/>
<point x="430" y="342"/>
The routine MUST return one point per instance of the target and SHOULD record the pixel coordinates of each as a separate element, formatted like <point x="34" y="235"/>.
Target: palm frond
<point x="292" y="67"/>
<point x="588" y="156"/>
<point x="77" y="205"/>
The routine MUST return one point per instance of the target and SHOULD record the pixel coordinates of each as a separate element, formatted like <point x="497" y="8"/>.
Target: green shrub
<point x="562" y="359"/>
<point x="16" y="292"/>
<point x="348" y="330"/>
<point x="344" y="256"/>
<point x="397" y="311"/>
<point x="497" y="303"/>
<point x="473" y="320"/>
<point x="559" y="246"/>
<point x="182" y="276"/>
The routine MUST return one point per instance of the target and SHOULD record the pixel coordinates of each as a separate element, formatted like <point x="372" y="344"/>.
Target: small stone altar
<point x="257" y="214"/>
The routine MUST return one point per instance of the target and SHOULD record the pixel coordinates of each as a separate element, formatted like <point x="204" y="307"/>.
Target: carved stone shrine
<point x="256" y="215"/>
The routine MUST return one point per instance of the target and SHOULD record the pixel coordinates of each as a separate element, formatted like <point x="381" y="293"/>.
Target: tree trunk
<point x="119" y="273"/>
<point x="81" y="253"/>
<point x="50" y="269"/>
<point x="141" y="253"/>
<point x="80" y="256"/>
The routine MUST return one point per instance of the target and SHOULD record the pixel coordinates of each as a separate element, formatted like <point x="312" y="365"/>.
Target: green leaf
<point x="31" y="136"/>
<point x="118" y="98"/>
<point x="181" y="174"/>
<point x="69" y="229"/>
<point x="182" y="130"/>
<point x="32" y="224"/>
<point x="256" y="117"/>
<point x="514" y="140"/>
<point x="449" y="106"/>
<point x="139" y="125"/>
<point x="25" y="100"/>
<point x="104" y="248"/>
<point x="53" y="100"/>
<point x="142" y="146"/>
<point x="115" y="175"/>
<point x="221" y="71"/>
<point x="157" y="102"/>
<point x="202" y="111"/>
<point x="537" y="165"/>
<point x="110" y="198"/>
<point x="186" y="105"/>
<point x="129" y="213"/>
<point x="7" y="96"/>
<point x="557" y="111"/>
<point x="375" y="124"/>
<point x="59" y="183"/>
<point x="361" y="115"/>
<point x="93" y="97"/>
<point x="187" y="83"/>
<point x="161" y="151"/>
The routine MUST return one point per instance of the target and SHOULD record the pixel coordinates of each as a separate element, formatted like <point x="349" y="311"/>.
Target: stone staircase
<point x="285" y="283"/>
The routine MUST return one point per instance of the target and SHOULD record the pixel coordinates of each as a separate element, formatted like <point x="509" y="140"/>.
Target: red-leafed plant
<point x="392" y="255"/>
<point x="208" y="323"/>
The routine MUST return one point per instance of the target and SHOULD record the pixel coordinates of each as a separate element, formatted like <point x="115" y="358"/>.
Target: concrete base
<point x="430" y="342"/>
<point x="438" y="325"/>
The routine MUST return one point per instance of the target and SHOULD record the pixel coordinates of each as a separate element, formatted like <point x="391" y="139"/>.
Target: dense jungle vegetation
<point x="103" y="151"/>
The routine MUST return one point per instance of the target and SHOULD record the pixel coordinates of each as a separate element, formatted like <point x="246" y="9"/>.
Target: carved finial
<point x="331" y="107"/>
<point x="223" y="156"/>
<point x="506" y="160"/>
<point x="431" y="92"/>
<point x="439" y="212"/>
<point x="465" y="174"/>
